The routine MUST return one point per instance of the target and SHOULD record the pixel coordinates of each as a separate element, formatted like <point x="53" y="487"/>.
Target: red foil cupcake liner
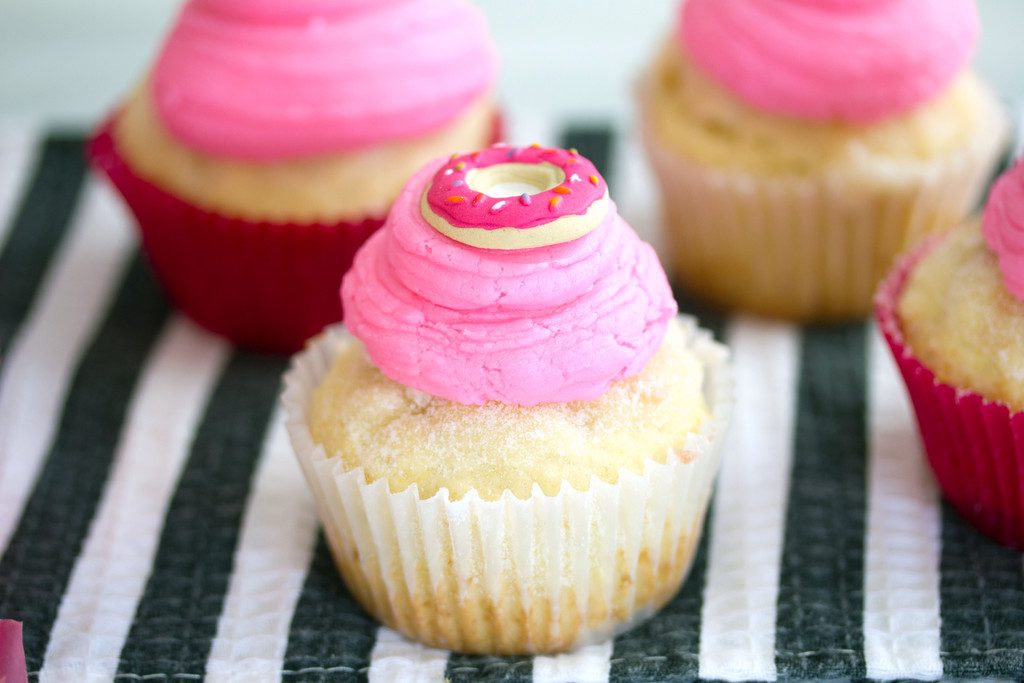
<point x="265" y="286"/>
<point x="975" y="446"/>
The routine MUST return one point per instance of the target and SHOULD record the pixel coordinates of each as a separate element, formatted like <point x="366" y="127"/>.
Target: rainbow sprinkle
<point x="456" y="199"/>
<point x="498" y="206"/>
<point x="525" y="200"/>
<point x="553" y="203"/>
<point x="461" y="165"/>
<point x="574" y="178"/>
<point x="593" y="180"/>
<point x="561" y="189"/>
<point x="478" y="198"/>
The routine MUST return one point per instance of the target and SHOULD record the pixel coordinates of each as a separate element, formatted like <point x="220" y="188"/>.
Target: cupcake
<point x="953" y="315"/>
<point x="513" y="440"/>
<point x="270" y="138"/>
<point x="800" y="146"/>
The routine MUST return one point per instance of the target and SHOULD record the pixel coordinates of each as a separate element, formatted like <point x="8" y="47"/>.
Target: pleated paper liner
<point x="974" y="446"/>
<point x="513" y="576"/>
<point x="264" y="285"/>
<point x="805" y="249"/>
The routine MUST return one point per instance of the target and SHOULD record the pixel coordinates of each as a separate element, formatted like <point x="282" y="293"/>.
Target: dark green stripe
<point x="37" y="565"/>
<point x="707" y="315"/>
<point x="982" y="603"/>
<point x="38" y="226"/>
<point x="176" y="619"/>
<point x="330" y="637"/>
<point x="595" y="142"/>
<point x="819" y="627"/>
<point x="666" y="647"/>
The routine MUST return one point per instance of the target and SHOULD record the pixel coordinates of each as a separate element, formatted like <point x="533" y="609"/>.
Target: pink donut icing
<point x="267" y="79"/>
<point x="450" y="197"/>
<point x="550" y="324"/>
<point x="1003" y="224"/>
<point x="853" y="60"/>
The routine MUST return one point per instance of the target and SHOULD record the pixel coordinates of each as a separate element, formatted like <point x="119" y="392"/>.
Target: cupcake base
<point x="809" y="249"/>
<point x="974" y="446"/>
<point x="513" y="576"/>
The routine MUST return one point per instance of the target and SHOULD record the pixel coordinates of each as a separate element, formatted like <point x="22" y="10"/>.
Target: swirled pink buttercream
<point x="851" y="60"/>
<point x="275" y="79"/>
<point x="1003" y="225"/>
<point x="549" y="324"/>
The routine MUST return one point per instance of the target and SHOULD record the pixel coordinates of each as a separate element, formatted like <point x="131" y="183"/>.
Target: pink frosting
<point x="549" y="324"/>
<point x="1003" y="225"/>
<point x="262" y="80"/>
<point x="853" y="60"/>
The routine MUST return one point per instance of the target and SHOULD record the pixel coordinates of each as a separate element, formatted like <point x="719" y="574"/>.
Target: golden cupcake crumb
<point x="961" y="322"/>
<point x="702" y="120"/>
<point x="409" y="437"/>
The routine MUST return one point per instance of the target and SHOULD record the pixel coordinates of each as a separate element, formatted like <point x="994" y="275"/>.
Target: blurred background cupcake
<point x="270" y="138"/>
<point x="801" y="146"/>
<point x="953" y="314"/>
<point x="514" y="451"/>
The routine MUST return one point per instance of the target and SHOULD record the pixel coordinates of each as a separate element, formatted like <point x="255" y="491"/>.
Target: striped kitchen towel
<point x="154" y="525"/>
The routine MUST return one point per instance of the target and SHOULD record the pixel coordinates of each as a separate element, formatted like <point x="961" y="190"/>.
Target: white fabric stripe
<point x="395" y="658"/>
<point x="274" y="550"/>
<point x="18" y="151"/>
<point x="589" y="664"/>
<point x="737" y="639"/>
<point x="110" y="572"/>
<point x="34" y="377"/>
<point x="901" y="564"/>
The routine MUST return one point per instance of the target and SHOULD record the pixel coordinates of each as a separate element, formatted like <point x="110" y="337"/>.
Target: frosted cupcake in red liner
<point x="953" y="315"/>
<point x="513" y="440"/>
<point x="270" y="139"/>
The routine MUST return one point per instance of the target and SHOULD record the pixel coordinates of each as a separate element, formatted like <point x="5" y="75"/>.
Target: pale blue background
<point x="68" y="60"/>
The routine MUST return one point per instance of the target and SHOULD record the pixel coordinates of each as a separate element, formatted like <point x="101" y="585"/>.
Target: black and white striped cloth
<point x="154" y="525"/>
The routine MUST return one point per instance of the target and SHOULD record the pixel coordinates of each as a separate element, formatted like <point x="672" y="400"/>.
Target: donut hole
<point x="513" y="179"/>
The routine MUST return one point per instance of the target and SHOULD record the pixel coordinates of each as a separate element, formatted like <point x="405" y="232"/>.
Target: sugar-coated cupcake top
<point x="262" y="80"/>
<point x="852" y="60"/>
<point x="577" y="303"/>
<point x="1003" y="225"/>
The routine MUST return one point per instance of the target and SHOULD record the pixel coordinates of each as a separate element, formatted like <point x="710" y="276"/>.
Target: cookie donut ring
<point x="556" y="196"/>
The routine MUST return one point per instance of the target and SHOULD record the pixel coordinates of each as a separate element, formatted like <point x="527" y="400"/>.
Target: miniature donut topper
<point x="508" y="198"/>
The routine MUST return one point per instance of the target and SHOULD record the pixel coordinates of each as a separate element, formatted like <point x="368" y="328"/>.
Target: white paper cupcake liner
<point x="807" y="248"/>
<point x="514" y="576"/>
